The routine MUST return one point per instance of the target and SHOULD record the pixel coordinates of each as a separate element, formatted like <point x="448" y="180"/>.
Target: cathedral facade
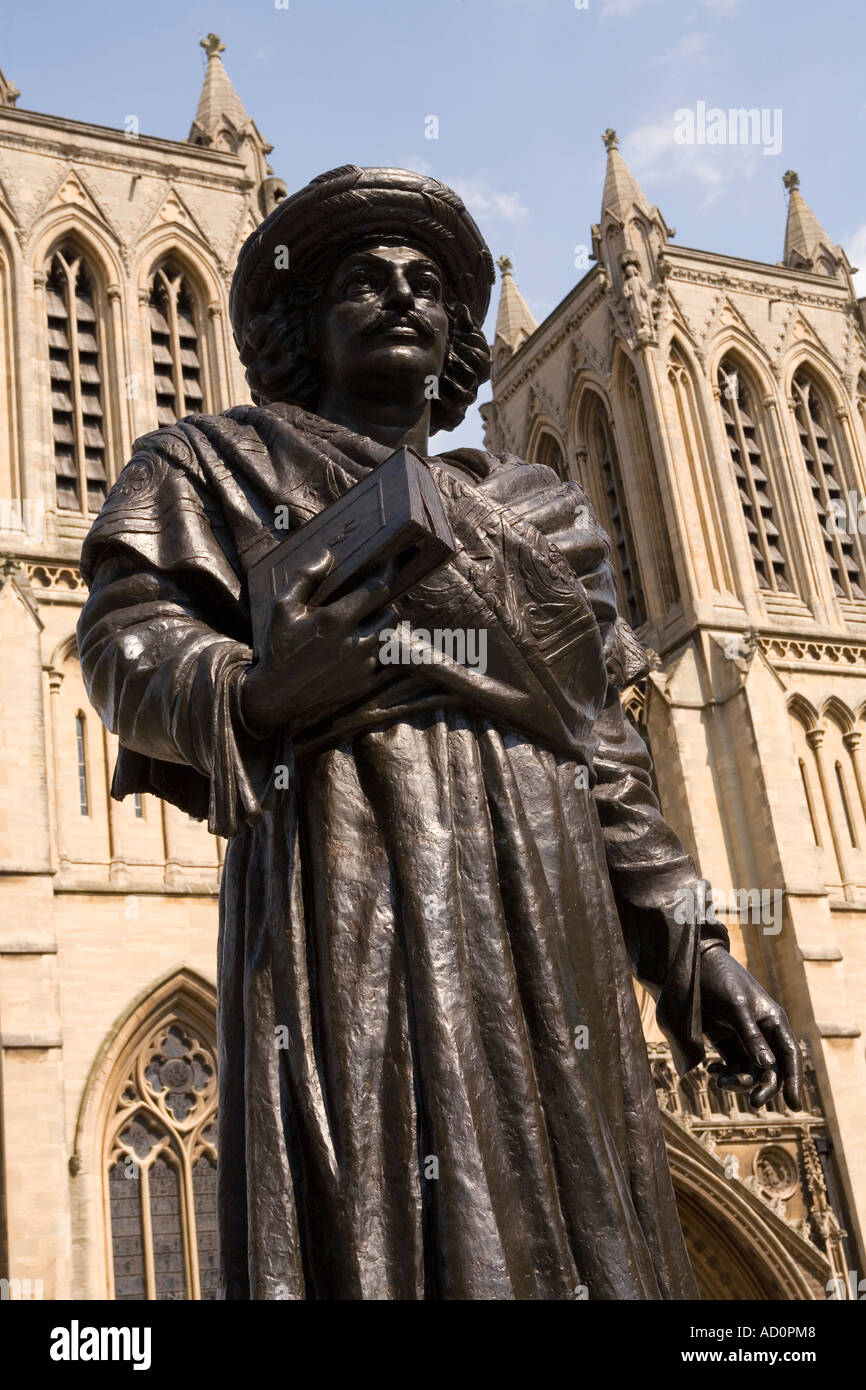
<point x="714" y="411"/>
<point x="116" y="253"/>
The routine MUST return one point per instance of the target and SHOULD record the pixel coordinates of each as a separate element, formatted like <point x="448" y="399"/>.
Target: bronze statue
<point x="439" y="879"/>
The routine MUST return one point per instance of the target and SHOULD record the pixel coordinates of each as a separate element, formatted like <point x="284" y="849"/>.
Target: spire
<point x="621" y="189"/>
<point x="630" y="231"/>
<point x="221" y="117"/>
<point x="223" y="123"/>
<point x="807" y="245"/>
<point x="514" y="321"/>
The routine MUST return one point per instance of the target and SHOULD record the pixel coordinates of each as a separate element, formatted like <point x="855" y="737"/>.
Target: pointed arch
<point x="739" y="1248"/>
<point x="189" y="249"/>
<point x="827" y="748"/>
<point x="147" y="1130"/>
<point x="807" y="734"/>
<point x="178" y="343"/>
<point x="803" y="711"/>
<point x="815" y="357"/>
<point x="734" y="339"/>
<point x="546" y="445"/>
<point x="65" y="650"/>
<point x="179" y="291"/>
<point x="91" y="236"/>
<point x="836" y="710"/>
<point x="744" y="416"/>
<point x="80" y="368"/>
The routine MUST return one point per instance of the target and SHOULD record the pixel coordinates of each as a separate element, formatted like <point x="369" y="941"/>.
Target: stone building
<point x="116" y="251"/>
<point x="714" y="409"/>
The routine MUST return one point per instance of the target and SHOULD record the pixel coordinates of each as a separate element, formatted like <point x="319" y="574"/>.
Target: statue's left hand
<point x="750" y="1031"/>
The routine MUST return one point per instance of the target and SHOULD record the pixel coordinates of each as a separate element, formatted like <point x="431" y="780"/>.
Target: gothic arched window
<point x="177" y="344"/>
<point x="549" y="452"/>
<point x="832" y="777"/>
<point x="160" y="1157"/>
<point x="77" y="400"/>
<point x="693" y="437"/>
<point x="646" y="488"/>
<point x="837" y="501"/>
<point x="608" y="492"/>
<point x="746" y="429"/>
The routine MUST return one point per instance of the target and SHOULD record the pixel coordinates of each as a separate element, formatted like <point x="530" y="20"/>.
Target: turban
<point x="347" y="206"/>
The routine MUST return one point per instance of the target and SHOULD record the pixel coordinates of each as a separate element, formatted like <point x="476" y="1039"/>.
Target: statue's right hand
<point x="316" y="657"/>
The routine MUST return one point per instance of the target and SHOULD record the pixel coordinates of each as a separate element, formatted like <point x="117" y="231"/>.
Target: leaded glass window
<point x="161" y="1170"/>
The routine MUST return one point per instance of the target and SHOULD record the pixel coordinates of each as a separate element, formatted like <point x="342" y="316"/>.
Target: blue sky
<point x="522" y="90"/>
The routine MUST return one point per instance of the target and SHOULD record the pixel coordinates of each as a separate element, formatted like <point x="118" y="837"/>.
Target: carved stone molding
<point x="804" y="651"/>
<point x="43" y="576"/>
<point x="565" y="330"/>
<point x="786" y="1170"/>
<point x="766" y="290"/>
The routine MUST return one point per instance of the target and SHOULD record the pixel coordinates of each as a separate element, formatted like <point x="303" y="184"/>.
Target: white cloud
<point x="481" y="198"/>
<point x="485" y="201"/>
<point x="654" y="157"/>
<point x="418" y="164"/>
<point x="692" y="48"/>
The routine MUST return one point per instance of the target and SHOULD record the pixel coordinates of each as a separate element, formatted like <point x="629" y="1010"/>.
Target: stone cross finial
<point x="212" y="45"/>
<point x="505" y="265"/>
<point x="611" y="139"/>
<point x="791" y="180"/>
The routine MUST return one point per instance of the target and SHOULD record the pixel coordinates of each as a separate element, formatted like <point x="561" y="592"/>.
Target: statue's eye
<point x="359" y="280"/>
<point x="428" y="285"/>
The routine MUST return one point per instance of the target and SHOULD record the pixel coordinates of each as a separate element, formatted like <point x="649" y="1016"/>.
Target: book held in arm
<point x="395" y="514"/>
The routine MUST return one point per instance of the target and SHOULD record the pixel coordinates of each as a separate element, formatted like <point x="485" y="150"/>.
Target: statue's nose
<point x="399" y="293"/>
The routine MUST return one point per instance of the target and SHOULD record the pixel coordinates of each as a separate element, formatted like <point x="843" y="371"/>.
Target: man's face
<point x="383" y="329"/>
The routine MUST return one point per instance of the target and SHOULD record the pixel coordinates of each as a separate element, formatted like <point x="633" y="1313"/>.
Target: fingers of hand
<point x="369" y="596"/>
<point x="762" y="1064"/>
<point x="303" y="585"/>
<point x="763" y="1075"/>
<point x="767" y="1084"/>
<point x="788" y="1058"/>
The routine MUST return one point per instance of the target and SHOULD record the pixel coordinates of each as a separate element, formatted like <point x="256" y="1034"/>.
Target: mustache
<point x="411" y="317"/>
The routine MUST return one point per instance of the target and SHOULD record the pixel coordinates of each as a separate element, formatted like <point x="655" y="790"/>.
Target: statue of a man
<point x="439" y="879"/>
<point x="637" y="298"/>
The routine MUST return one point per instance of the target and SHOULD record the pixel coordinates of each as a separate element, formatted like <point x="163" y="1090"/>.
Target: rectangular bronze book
<point x="395" y="513"/>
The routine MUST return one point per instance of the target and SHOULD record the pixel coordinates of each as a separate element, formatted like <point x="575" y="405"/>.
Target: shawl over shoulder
<point x="164" y="640"/>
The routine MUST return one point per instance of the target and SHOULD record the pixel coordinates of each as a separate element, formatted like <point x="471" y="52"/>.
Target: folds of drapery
<point x="163" y="641"/>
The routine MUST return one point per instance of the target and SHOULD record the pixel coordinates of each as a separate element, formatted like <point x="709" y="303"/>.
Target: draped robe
<point x="433" y="1078"/>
